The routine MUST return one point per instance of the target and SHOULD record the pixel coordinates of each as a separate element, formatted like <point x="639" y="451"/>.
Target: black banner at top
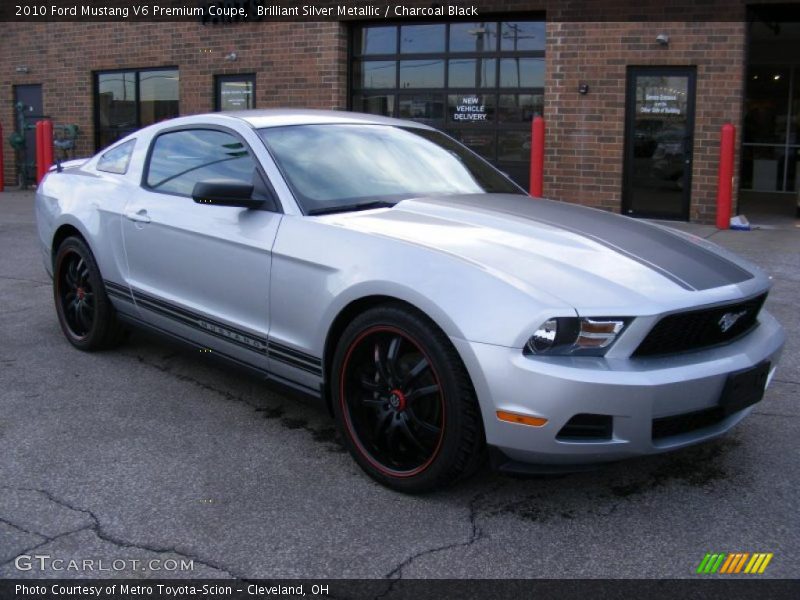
<point x="247" y="11"/>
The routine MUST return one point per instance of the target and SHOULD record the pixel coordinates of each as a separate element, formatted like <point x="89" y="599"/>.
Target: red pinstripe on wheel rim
<point x="391" y="400"/>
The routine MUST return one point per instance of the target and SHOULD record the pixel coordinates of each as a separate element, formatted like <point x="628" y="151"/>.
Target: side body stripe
<point x="229" y="333"/>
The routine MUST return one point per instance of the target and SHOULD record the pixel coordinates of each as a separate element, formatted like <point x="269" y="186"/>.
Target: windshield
<point x="338" y="167"/>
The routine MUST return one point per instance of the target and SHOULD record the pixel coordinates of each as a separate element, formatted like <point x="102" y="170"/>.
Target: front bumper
<point x="633" y="392"/>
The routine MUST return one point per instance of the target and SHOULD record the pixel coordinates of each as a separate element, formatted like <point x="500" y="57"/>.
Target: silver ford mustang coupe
<point x="441" y="313"/>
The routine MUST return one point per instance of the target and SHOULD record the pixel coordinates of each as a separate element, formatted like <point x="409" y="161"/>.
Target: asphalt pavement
<point x="154" y="452"/>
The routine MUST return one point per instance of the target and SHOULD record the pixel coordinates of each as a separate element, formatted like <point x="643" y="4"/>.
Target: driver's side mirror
<point x="225" y="192"/>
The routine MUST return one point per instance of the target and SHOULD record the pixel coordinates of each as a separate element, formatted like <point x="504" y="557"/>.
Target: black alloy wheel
<point x="85" y="314"/>
<point x="394" y="403"/>
<point x="76" y="295"/>
<point x="404" y="401"/>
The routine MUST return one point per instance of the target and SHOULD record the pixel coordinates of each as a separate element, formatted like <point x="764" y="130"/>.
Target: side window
<point x="182" y="158"/>
<point x="116" y="160"/>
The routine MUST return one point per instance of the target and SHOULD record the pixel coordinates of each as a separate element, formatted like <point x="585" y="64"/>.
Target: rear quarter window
<point x="117" y="159"/>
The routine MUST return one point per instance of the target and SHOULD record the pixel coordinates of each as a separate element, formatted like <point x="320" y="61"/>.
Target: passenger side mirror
<point x="225" y="192"/>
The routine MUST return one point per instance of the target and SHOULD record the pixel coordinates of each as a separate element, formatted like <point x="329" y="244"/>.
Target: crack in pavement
<point x="97" y="528"/>
<point x="22" y="529"/>
<point x="476" y="534"/>
<point x="47" y="540"/>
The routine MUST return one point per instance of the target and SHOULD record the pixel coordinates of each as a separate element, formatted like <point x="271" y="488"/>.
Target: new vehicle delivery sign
<point x="469" y="108"/>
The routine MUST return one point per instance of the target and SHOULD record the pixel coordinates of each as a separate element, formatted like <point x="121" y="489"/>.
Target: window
<point x="129" y="100"/>
<point x="481" y="82"/>
<point x="522" y="36"/>
<point x="336" y="166"/>
<point x="180" y="159"/>
<point x="421" y="73"/>
<point x="421" y="38"/>
<point x="376" y="40"/>
<point x="235" y="92"/>
<point x="373" y="74"/>
<point x="473" y="37"/>
<point x="116" y="160"/>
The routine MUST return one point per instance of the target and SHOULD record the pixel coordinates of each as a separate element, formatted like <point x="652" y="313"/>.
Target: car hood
<point x="591" y="259"/>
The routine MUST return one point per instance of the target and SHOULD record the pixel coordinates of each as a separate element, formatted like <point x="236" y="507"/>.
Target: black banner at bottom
<point x="400" y="589"/>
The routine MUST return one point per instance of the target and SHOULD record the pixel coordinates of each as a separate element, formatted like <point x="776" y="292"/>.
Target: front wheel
<point x="404" y="402"/>
<point x="84" y="311"/>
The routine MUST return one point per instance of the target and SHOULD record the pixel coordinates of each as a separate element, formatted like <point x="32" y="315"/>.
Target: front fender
<point x="318" y="269"/>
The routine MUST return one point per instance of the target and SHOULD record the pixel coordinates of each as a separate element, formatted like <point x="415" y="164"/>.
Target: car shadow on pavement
<point x="531" y="498"/>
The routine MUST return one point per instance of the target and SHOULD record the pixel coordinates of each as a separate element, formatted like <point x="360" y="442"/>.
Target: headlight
<point x="544" y="338"/>
<point x="571" y="335"/>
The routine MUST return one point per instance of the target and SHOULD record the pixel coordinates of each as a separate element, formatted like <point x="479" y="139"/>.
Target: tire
<point x="403" y="401"/>
<point x="85" y="314"/>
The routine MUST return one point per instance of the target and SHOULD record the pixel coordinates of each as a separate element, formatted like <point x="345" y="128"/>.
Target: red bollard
<point x="537" y="157"/>
<point x="2" y="164"/>
<point x="39" y="151"/>
<point x="47" y="151"/>
<point x="727" y="146"/>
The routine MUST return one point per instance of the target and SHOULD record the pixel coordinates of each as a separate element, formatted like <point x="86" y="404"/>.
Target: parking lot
<point x="154" y="452"/>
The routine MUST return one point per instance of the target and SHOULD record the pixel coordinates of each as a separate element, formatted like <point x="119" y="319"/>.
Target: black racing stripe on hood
<point x="689" y="265"/>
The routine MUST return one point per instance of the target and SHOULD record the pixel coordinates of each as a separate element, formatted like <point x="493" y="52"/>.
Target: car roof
<point x="277" y="117"/>
<point x="263" y="118"/>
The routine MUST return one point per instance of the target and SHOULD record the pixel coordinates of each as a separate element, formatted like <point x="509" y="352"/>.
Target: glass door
<point x="658" y="142"/>
<point x="771" y="137"/>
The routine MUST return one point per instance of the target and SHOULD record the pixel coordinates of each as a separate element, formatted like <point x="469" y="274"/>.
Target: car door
<point x="199" y="271"/>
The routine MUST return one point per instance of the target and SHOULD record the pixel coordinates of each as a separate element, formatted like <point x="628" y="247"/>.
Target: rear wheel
<point x="84" y="311"/>
<point x="404" y="402"/>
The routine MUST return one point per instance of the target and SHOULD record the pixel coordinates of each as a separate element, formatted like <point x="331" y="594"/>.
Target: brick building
<point x="633" y="97"/>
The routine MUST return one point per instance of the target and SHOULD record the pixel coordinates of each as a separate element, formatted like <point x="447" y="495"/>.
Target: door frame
<point x="220" y="79"/>
<point x="630" y="107"/>
<point x="27" y="165"/>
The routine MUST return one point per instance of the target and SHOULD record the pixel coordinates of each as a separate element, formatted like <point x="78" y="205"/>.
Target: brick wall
<point x="295" y="65"/>
<point x="585" y="134"/>
<point x="305" y="64"/>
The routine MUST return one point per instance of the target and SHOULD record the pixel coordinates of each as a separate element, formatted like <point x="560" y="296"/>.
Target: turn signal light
<point x="521" y="419"/>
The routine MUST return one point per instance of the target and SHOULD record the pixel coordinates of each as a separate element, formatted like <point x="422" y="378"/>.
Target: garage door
<point x="480" y="82"/>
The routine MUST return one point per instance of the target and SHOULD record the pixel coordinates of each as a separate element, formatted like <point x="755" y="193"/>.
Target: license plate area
<point x="744" y="388"/>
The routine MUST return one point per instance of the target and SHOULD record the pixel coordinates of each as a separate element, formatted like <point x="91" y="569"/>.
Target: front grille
<point x="697" y="329"/>
<point x="587" y="427"/>
<point x="665" y="427"/>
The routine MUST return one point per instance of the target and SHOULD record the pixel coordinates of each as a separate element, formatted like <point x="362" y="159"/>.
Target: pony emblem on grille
<point x="728" y="320"/>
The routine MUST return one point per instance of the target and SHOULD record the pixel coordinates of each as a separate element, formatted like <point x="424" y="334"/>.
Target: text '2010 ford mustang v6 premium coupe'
<point x="441" y="313"/>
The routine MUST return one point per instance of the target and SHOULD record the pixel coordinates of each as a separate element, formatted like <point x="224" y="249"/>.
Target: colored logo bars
<point x="738" y="562"/>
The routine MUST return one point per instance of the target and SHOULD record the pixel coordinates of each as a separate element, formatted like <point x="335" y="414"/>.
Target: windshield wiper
<point x="327" y="210"/>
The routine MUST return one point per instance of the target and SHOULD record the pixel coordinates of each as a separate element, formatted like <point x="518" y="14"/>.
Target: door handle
<point x="140" y="215"/>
